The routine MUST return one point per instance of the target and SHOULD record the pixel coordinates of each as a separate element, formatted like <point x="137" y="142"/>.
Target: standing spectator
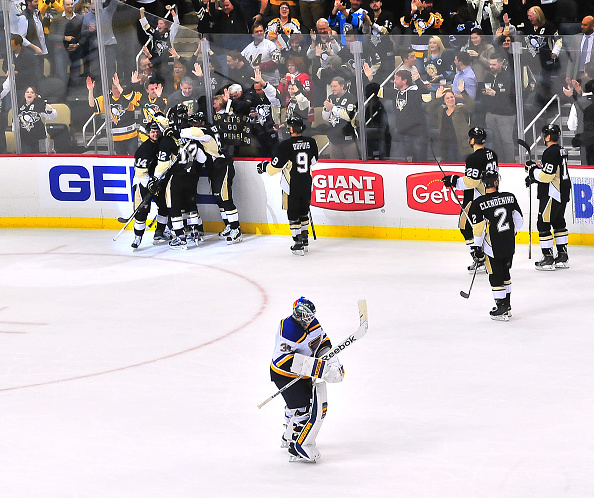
<point x="575" y="121"/>
<point x="382" y="22"/>
<point x="554" y="188"/>
<point x="452" y="122"/>
<point x="228" y="20"/>
<point x="411" y="123"/>
<point x="161" y="38"/>
<point x="238" y="70"/>
<point x="339" y="110"/>
<point x="36" y="34"/>
<point x="297" y="104"/>
<point x="32" y="128"/>
<point x="581" y="50"/>
<point x="421" y="21"/>
<point x="280" y="29"/>
<point x="499" y="101"/>
<point x="121" y="108"/>
<point x="296" y="70"/>
<point x="88" y="37"/>
<point x="480" y="53"/>
<point x="264" y="54"/>
<point x="150" y="103"/>
<point x="310" y="11"/>
<point x="497" y="238"/>
<point x="187" y="94"/>
<point x="487" y="18"/>
<point x="64" y="34"/>
<point x="438" y="64"/>
<point x="254" y="10"/>
<point x="409" y="60"/>
<point x="24" y="64"/>
<point x="543" y="40"/>
<point x="465" y="73"/>
<point x="264" y="104"/>
<point x="377" y="127"/>
<point x="341" y="17"/>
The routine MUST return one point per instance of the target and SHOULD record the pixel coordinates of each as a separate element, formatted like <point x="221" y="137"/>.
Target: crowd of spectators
<point x="447" y="66"/>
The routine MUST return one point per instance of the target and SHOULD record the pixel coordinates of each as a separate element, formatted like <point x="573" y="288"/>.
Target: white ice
<point x="137" y="374"/>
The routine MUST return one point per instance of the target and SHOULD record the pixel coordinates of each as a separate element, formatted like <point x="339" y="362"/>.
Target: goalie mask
<point x="304" y="311"/>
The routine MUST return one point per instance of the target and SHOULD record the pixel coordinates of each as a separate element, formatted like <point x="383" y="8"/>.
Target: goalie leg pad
<point x="304" y="444"/>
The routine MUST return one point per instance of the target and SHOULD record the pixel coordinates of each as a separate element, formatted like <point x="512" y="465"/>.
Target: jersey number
<point x="502" y="223"/>
<point x="302" y="160"/>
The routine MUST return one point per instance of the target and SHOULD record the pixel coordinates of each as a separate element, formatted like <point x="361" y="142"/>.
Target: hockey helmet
<point x="479" y="135"/>
<point x="197" y="119"/>
<point x="178" y="117"/>
<point x="153" y="125"/>
<point x="304" y="311"/>
<point x="296" y="123"/>
<point x="551" y="130"/>
<point x="490" y="178"/>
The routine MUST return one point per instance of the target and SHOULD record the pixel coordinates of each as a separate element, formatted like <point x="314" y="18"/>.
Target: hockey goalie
<point x="300" y="344"/>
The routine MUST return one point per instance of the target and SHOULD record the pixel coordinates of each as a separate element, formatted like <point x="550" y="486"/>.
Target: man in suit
<point x="581" y="50"/>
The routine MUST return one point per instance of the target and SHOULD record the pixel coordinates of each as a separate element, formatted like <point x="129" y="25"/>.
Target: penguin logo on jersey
<point x="117" y="111"/>
<point x="535" y="44"/>
<point x="28" y="119"/>
<point x="149" y="111"/>
<point x="401" y="102"/>
<point x="263" y="113"/>
<point x="161" y="46"/>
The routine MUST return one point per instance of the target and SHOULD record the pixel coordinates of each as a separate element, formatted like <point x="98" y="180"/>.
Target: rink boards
<point x="349" y="199"/>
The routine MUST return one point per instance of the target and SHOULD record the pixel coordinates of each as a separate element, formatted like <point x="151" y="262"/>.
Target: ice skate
<point x="296" y="457"/>
<point x="297" y="248"/>
<point x="499" y="312"/>
<point x="200" y="229"/>
<point x="547" y="263"/>
<point x="193" y="235"/>
<point x="562" y="260"/>
<point x="305" y="241"/>
<point x="225" y="233"/>
<point x="161" y="236"/>
<point x="179" y="242"/>
<point x="285" y="443"/>
<point x="234" y="236"/>
<point x="137" y="240"/>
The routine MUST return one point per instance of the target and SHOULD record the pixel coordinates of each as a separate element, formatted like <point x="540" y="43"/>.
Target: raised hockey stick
<point x="523" y="143"/>
<point x="361" y="331"/>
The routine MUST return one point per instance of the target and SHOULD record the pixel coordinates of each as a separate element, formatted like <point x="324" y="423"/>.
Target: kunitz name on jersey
<point x="497" y="201"/>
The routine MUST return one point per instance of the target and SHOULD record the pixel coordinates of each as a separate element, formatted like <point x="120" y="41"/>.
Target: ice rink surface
<point x="137" y="374"/>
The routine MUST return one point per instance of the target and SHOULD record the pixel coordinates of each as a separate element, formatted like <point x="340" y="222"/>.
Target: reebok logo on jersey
<point x="426" y="192"/>
<point x="344" y="189"/>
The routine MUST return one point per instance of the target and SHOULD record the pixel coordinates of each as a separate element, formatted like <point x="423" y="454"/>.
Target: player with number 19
<point x="481" y="160"/>
<point x="496" y="217"/>
<point x="295" y="158"/>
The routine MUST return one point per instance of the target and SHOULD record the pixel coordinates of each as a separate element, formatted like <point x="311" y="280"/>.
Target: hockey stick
<point x="466" y="295"/>
<point x="313" y="229"/>
<point x="361" y="331"/>
<point x="523" y="143"/>
<point x="147" y="198"/>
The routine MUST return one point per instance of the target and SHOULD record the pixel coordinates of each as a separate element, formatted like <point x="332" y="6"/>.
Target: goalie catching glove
<point x="308" y="366"/>
<point x="261" y="166"/>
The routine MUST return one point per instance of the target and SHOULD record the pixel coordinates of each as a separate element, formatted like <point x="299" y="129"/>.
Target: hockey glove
<point x="529" y="165"/>
<point x="477" y="253"/>
<point x="450" y="181"/>
<point x="261" y="166"/>
<point x="154" y="186"/>
<point x="529" y="181"/>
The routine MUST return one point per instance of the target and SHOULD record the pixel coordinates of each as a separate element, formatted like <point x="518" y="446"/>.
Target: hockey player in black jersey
<point x="182" y="159"/>
<point x="496" y="217"/>
<point x="295" y="158"/>
<point x="145" y="161"/>
<point x="221" y="171"/>
<point x="481" y="160"/>
<point x="554" y="188"/>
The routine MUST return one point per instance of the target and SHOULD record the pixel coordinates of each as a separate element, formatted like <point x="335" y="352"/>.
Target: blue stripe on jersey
<point x="292" y="331"/>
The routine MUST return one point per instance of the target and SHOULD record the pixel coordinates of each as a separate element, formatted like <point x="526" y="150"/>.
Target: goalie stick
<point x="524" y="144"/>
<point x="147" y="198"/>
<point x="361" y="331"/>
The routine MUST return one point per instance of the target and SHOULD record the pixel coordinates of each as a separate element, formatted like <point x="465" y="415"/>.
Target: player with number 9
<point x="295" y="158"/>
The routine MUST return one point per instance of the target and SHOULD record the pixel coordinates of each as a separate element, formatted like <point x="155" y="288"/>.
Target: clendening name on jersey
<point x="498" y="201"/>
